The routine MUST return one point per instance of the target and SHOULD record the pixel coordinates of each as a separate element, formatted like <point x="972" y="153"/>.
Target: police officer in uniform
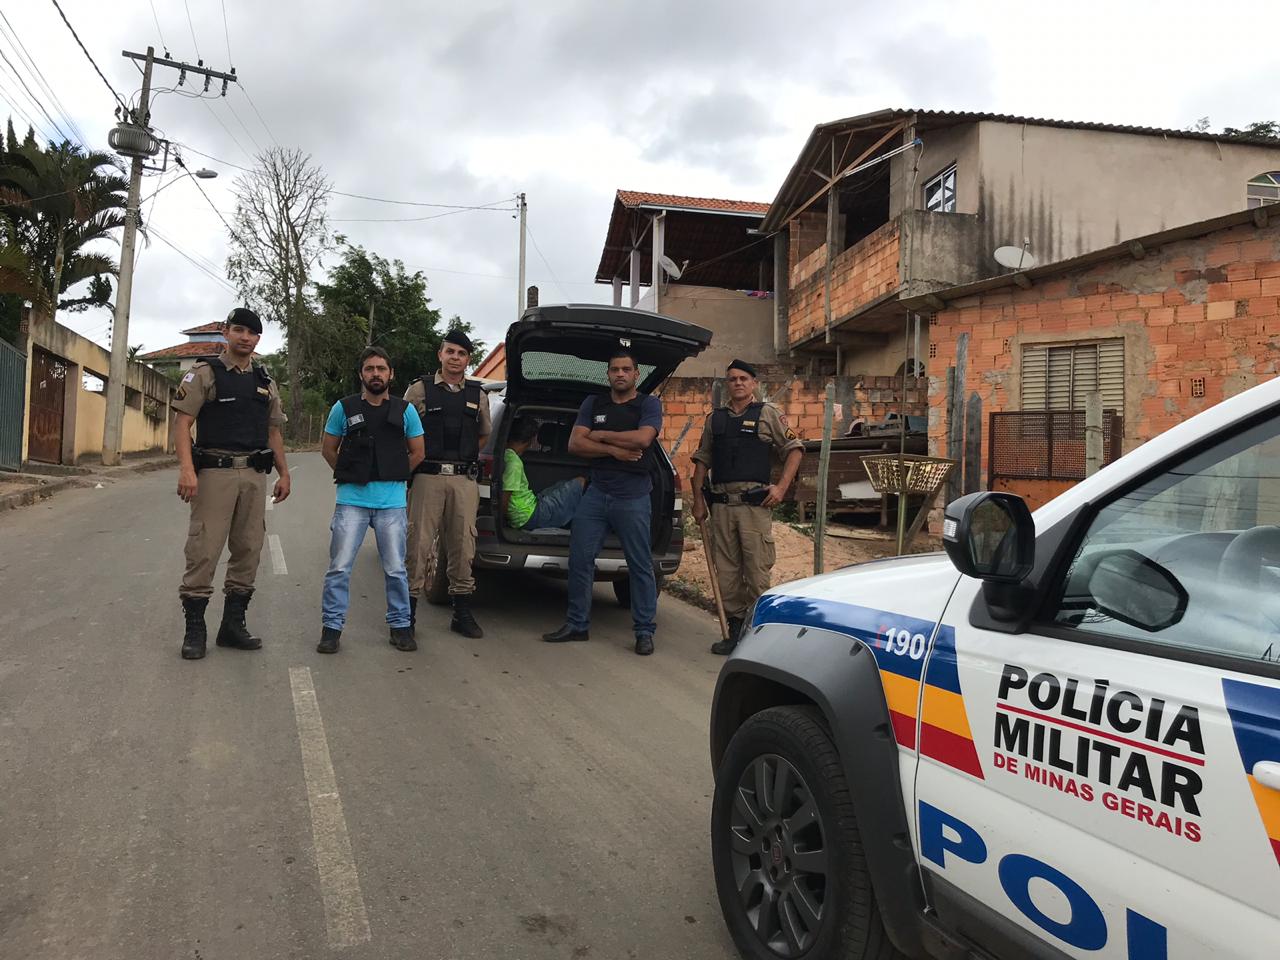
<point x="235" y="407"/>
<point x="444" y="497"/>
<point x="739" y="443"/>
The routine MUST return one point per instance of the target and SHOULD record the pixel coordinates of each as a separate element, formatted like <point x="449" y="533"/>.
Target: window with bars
<point x="1263" y="189"/>
<point x="1060" y="377"/>
<point x="940" y="192"/>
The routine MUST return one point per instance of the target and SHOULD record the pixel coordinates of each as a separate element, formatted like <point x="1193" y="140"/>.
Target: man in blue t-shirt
<point x="615" y="432"/>
<point x="372" y="441"/>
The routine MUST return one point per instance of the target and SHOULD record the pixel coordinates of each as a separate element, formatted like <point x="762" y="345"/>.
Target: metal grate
<point x="1046" y="444"/>
<point x="906" y="473"/>
<point x="13" y="392"/>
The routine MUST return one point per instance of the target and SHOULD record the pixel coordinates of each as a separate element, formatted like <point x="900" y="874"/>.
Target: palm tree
<point x="55" y="202"/>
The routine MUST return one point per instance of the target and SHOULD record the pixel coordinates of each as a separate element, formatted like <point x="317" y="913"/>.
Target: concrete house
<point x="900" y="203"/>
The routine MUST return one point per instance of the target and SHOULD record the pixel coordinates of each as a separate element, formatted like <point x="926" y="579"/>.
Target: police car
<point x="1061" y="739"/>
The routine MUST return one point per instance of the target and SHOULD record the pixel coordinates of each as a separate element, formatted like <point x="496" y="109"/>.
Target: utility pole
<point x="134" y="139"/>
<point x="524" y="207"/>
<point x="369" y="340"/>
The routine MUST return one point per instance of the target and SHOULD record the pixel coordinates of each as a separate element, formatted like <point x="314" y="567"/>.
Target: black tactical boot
<point x="197" y="636"/>
<point x="463" y="622"/>
<point x="233" y="632"/>
<point x="402" y="639"/>
<point x="329" y="639"/>
<point x="722" y="648"/>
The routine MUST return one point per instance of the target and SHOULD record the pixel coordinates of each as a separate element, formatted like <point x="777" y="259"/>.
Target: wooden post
<point x="973" y="444"/>
<point x="1092" y="433"/>
<point x="781" y="283"/>
<point x="824" y="461"/>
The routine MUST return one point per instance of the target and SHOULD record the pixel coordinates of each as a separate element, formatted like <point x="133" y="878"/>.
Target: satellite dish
<point x="670" y="267"/>
<point x="1015" y="258"/>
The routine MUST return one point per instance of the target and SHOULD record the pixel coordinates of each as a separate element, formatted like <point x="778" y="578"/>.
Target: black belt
<point x="449" y="468"/>
<point x="751" y="498"/>
<point x="260" y="460"/>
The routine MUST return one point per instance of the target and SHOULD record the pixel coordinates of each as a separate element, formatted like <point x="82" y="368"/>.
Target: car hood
<point x="562" y="350"/>
<point x="915" y="588"/>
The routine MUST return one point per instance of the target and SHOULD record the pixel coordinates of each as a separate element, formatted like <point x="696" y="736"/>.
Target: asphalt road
<point x="495" y="798"/>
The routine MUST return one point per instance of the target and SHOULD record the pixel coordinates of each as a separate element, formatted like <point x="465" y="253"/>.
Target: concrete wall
<point x="1200" y="321"/>
<point x="147" y="392"/>
<point x="741" y="326"/>
<point x="959" y="145"/>
<point x="1072" y="191"/>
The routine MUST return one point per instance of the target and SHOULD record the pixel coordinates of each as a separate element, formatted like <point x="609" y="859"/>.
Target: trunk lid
<point x="562" y="350"/>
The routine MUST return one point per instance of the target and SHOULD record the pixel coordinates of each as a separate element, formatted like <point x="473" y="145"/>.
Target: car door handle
<point x="1267" y="773"/>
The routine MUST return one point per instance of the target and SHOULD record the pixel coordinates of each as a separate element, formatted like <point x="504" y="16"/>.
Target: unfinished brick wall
<point x="863" y="273"/>
<point x="807" y="233"/>
<point x="686" y="402"/>
<point x="1200" y="319"/>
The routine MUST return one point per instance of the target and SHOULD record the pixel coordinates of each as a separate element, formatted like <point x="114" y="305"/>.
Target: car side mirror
<point x="990" y="536"/>
<point x="1136" y="590"/>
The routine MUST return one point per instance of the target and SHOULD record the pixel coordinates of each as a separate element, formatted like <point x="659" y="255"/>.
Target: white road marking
<point x="277" y="554"/>
<point x="344" y="912"/>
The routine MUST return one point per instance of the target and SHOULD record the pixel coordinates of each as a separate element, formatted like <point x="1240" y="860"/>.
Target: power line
<point x="228" y="163"/>
<point x="234" y="138"/>
<point x="17" y="108"/>
<point x="196" y="181"/>
<point x="245" y="91"/>
<point x="156" y="18"/>
<point x="119" y="99"/>
<point x="544" y="261"/>
<point x="417" y="203"/>
<point x="32" y="97"/>
<point x="257" y="146"/>
<point x="194" y="41"/>
<point x="41" y="81"/>
<point x="182" y="253"/>
<point x="435" y="216"/>
<point x="226" y="33"/>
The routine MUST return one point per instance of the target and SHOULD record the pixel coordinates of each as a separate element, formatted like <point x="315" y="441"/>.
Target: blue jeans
<point x="629" y="519"/>
<point x="390" y="526"/>
<point x="557" y="505"/>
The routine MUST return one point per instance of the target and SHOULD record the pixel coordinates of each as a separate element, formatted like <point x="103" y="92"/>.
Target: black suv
<point x="557" y="356"/>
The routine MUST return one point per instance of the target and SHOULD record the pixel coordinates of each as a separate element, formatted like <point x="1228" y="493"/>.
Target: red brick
<point x="1124" y="301"/>
<point x="1148" y="300"/>
<point x="1269" y="269"/>
<point x="1072" y="305"/>
<point x="1264" y="306"/>
<point x="1053" y="324"/>
<point x="1209" y="330"/>
<point x="1270" y="287"/>
<point x="1169" y="388"/>
<point x="1242" y="289"/>
<point x="1221" y="309"/>
<point x="1191" y="351"/>
<point x="1257" y="250"/>
<point x="1190" y="311"/>
<point x="1219" y="349"/>
<point x="1164" y="351"/>
<point x="1244" y="327"/>
<point x="1160" y="317"/>
<point x="1131" y="315"/>
<point x="1222" y="254"/>
<point x="1241" y="271"/>
<point x="1174" y="298"/>
<point x="1220" y="291"/>
<point x="1182" y="333"/>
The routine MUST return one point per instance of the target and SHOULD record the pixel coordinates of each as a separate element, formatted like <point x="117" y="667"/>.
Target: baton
<point x="715" y="582"/>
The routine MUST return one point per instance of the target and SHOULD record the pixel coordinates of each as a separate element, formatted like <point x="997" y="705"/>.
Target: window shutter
<point x="1034" y="378"/>
<point x="1060" y="377"/>
<point x="1111" y="374"/>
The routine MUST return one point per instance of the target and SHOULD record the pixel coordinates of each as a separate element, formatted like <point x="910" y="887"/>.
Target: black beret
<point x="458" y="338"/>
<point x="244" y="317"/>
<point x="743" y="366"/>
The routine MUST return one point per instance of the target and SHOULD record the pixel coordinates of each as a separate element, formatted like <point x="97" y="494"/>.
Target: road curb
<point x="36" y="493"/>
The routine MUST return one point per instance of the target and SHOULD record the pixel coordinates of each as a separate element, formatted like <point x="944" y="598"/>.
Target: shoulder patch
<point x="182" y="393"/>
<point x="189" y="377"/>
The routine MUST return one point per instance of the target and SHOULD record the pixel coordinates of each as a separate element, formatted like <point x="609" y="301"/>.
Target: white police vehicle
<point x="1063" y="741"/>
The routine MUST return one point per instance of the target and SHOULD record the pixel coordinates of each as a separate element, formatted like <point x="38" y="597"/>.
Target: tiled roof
<point x="214" y="327"/>
<point x="635" y="198"/>
<point x="184" y="351"/>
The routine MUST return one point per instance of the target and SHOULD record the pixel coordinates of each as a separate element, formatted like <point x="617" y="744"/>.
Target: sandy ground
<point x="795" y="555"/>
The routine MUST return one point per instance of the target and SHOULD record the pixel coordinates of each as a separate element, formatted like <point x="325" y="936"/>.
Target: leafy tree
<point x="369" y="299"/>
<point x="1270" y="129"/>
<point x="56" y="201"/>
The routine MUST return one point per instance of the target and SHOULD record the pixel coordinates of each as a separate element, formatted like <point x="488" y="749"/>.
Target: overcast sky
<point x="569" y="100"/>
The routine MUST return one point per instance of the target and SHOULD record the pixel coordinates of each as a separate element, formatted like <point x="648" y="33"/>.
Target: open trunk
<point x="548" y="462"/>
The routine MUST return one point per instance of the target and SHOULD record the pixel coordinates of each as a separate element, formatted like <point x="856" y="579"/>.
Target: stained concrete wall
<point x="147" y="397"/>
<point x="741" y="326"/>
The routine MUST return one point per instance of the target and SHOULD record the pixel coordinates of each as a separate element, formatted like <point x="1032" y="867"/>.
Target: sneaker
<point x="402" y="639"/>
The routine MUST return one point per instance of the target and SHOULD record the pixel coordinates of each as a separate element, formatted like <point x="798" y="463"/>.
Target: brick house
<point x="1163" y="326"/>
<point x="891" y="205"/>
<point x="203" y="343"/>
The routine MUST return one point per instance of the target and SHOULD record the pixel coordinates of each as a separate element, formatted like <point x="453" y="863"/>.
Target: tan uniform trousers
<point x="229" y="510"/>
<point x="443" y="506"/>
<point x="743" y="551"/>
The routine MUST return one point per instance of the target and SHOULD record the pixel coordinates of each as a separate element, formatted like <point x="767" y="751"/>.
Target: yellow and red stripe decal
<point x="899" y="644"/>
<point x="1254" y="710"/>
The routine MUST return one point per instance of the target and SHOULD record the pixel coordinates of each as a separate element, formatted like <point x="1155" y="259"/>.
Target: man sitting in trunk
<point x="525" y="510"/>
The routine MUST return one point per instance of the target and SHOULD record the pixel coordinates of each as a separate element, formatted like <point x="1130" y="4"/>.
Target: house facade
<point x="203" y="343"/>
<point x="898" y="204"/>
<point x="1161" y="326"/>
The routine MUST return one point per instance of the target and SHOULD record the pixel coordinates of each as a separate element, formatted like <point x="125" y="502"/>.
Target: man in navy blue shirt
<point x="615" y="432"/>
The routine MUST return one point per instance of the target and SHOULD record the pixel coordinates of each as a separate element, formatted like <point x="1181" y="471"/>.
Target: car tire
<point x="809" y="893"/>
<point x="438" y="584"/>
<point x="622" y="591"/>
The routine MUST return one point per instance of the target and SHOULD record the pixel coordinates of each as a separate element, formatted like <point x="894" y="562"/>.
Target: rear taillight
<point x="486" y="467"/>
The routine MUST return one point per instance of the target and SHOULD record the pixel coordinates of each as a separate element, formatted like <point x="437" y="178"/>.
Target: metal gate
<point x="48" y="397"/>
<point x="13" y="388"/>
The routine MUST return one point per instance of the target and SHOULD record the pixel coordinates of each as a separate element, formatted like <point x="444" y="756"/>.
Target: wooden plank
<point x="973" y="445"/>
<point x="861" y="157"/>
<point x="824" y="460"/>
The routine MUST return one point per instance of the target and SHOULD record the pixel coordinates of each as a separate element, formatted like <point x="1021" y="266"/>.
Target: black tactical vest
<point x="236" y="418"/>
<point x="619" y="418"/>
<point x="737" y="452"/>
<point x="372" y="454"/>
<point x="452" y="421"/>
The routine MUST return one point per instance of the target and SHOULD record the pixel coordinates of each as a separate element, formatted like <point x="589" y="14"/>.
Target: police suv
<point x="1062" y="739"/>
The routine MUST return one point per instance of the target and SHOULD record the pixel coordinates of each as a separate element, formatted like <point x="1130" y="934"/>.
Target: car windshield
<point x="541" y="366"/>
